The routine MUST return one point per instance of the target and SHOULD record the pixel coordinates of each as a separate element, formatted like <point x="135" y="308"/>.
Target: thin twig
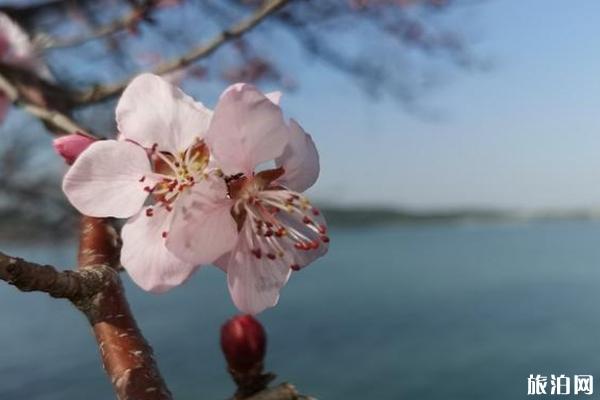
<point x="101" y="93"/>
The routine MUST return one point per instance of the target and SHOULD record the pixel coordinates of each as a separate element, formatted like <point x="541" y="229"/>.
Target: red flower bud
<point x="244" y="342"/>
<point x="71" y="146"/>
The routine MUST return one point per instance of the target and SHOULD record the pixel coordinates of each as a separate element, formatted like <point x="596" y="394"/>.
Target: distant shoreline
<point x="342" y="217"/>
<point x="363" y="216"/>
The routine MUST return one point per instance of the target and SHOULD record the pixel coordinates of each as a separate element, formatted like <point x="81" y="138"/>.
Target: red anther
<point x="316" y="212"/>
<point x="154" y="146"/>
<point x="149" y="212"/>
<point x="172" y="186"/>
<point x="148" y="189"/>
<point x="181" y="187"/>
<point x="244" y="342"/>
<point x="142" y="179"/>
<point x="325" y="239"/>
<point x="168" y="208"/>
<point x="269" y="224"/>
<point x="280" y="232"/>
<point x="257" y="253"/>
<point x="295" y="267"/>
<point x="190" y="178"/>
<point x="271" y="256"/>
<point x="307" y="220"/>
<point x="164" y="234"/>
<point x="269" y="233"/>
<point x="322" y="229"/>
<point x="299" y="245"/>
<point x="314" y="245"/>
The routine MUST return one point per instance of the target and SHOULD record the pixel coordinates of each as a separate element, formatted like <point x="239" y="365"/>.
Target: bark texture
<point x="126" y="355"/>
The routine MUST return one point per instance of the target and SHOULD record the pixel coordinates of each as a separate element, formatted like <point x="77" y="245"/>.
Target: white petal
<point x="203" y="228"/>
<point x="246" y="130"/>
<point x="300" y="160"/>
<point x="152" y="111"/>
<point x="105" y="180"/>
<point x="145" y="256"/>
<point x="254" y="283"/>
<point x="275" y="97"/>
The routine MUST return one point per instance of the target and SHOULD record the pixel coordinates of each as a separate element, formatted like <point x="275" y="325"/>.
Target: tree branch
<point x="101" y="93"/>
<point x="96" y="290"/>
<point x="28" y="277"/>
<point x="127" y="357"/>
<point x="52" y="118"/>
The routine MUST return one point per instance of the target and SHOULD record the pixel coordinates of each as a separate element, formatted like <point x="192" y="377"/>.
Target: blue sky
<point x="524" y="134"/>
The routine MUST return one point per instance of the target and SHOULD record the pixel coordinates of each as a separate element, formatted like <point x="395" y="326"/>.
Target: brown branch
<point x="96" y="290"/>
<point x="101" y="93"/>
<point x="126" y="356"/>
<point x="28" y="277"/>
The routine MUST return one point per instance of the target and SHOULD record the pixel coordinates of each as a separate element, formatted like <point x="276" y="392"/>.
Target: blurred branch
<point x="52" y="118"/>
<point x="103" y="92"/>
<point x="137" y="14"/>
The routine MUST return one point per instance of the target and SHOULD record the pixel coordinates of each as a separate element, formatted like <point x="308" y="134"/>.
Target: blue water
<point x="424" y="312"/>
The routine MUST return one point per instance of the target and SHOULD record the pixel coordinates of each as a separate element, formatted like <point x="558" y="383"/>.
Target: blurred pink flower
<point x="70" y="147"/>
<point x="277" y="229"/>
<point x="16" y="49"/>
<point x="162" y="160"/>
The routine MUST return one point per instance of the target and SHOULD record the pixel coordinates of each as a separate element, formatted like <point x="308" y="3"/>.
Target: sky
<point x="523" y="134"/>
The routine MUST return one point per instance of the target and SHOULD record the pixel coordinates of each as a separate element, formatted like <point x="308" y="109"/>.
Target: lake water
<point x="422" y="312"/>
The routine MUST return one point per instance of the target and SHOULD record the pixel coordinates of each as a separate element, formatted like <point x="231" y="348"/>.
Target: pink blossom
<point x="70" y="147"/>
<point x="278" y="230"/>
<point x="160" y="166"/>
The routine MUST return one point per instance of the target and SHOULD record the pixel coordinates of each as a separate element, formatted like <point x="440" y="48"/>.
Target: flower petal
<point x="203" y="228"/>
<point x="300" y="160"/>
<point x="145" y="256"/>
<point x="105" y="180"/>
<point x="246" y="130"/>
<point x="152" y="111"/>
<point x="275" y="97"/>
<point x="254" y="283"/>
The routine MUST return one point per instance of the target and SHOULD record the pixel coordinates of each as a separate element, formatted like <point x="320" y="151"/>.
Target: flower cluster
<point x="189" y="180"/>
